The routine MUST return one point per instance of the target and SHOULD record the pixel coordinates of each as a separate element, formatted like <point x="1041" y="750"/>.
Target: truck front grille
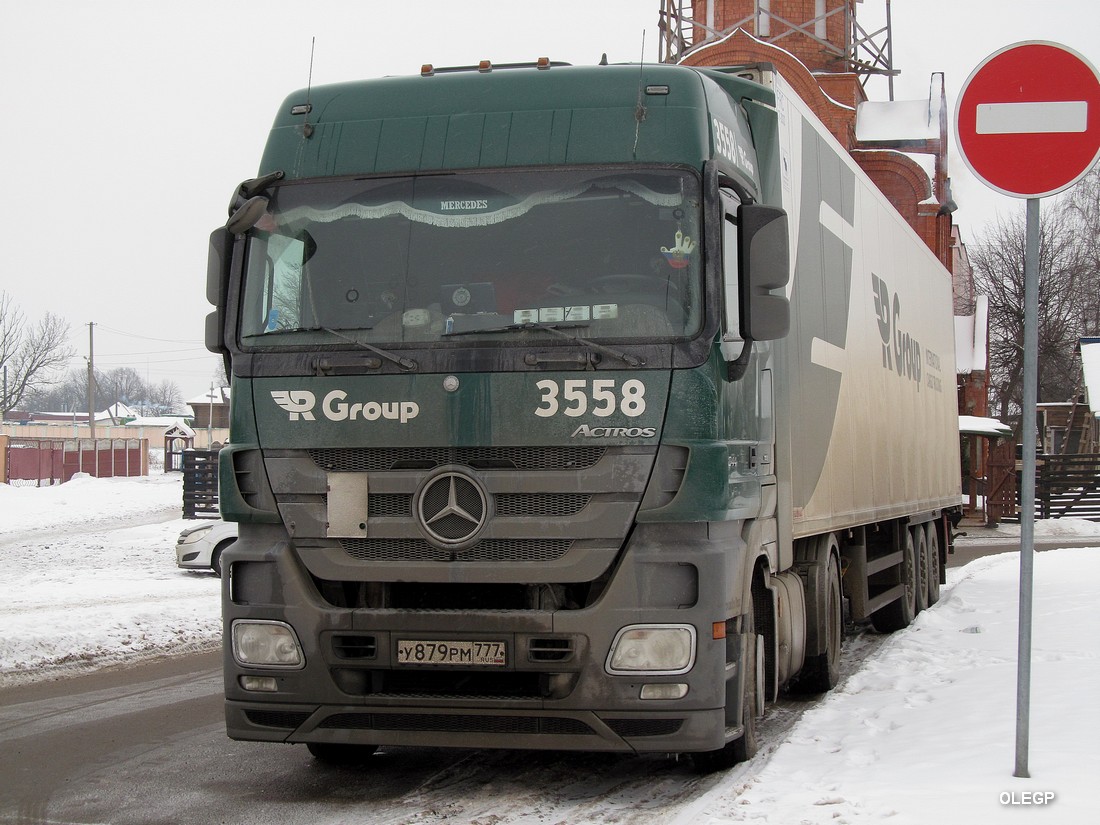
<point x="506" y="505"/>
<point x="395" y="549"/>
<point x="339" y="460"/>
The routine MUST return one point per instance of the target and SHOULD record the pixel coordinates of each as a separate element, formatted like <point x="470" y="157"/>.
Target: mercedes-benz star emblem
<point x="452" y="508"/>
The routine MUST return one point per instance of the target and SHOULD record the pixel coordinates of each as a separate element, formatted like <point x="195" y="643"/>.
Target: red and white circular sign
<point x="1028" y="119"/>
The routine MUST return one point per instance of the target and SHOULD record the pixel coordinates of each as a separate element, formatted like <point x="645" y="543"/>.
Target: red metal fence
<point x="44" y="461"/>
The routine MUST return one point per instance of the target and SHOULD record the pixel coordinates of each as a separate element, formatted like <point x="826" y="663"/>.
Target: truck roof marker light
<point x="301" y="109"/>
<point x="542" y="63"/>
<point x="427" y="70"/>
<point x="655" y="89"/>
<point x="485" y="66"/>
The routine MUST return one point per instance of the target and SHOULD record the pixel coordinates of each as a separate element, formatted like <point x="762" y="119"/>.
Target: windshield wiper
<point x="558" y="330"/>
<point x="404" y="363"/>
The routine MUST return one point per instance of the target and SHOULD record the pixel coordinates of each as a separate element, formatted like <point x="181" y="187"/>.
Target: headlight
<point x="266" y="644"/>
<point x="194" y="534"/>
<point x="652" y="649"/>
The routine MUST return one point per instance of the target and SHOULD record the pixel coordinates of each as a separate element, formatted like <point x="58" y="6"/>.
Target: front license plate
<point x="423" y="652"/>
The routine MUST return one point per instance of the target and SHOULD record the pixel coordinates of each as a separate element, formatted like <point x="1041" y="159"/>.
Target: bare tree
<point x="164" y="398"/>
<point x="1067" y="296"/>
<point x="66" y="394"/>
<point x="1082" y="204"/>
<point x="220" y="378"/>
<point x="30" y="355"/>
<point x="122" y="384"/>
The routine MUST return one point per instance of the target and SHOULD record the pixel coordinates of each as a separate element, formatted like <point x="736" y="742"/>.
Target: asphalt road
<point x="146" y="745"/>
<point x="980" y="542"/>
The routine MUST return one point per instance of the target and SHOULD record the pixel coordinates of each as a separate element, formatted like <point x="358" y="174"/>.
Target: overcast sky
<point x="128" y="124"/>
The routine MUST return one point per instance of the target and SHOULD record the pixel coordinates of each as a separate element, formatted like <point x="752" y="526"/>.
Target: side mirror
<point x="217" y="266"/>
<point x="764" y="266"/>
<point x="217" y="285"/>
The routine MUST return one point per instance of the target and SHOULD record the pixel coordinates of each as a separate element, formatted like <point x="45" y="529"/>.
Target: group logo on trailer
<point x="901" y="352"/>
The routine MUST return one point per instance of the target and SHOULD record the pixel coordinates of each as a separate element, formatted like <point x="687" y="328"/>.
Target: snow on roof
<point x="162" y="421"/>
<point x="221" y="396"/>
<point x="972" y="338"/>
<point x="1090" y="366"/>
<point x="895" y="120"/>
<point x="974" y="425"/>
<point x="115" y="411"/>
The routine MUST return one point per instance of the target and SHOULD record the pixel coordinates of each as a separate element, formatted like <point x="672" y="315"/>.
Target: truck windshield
<point x="444" y="257"/>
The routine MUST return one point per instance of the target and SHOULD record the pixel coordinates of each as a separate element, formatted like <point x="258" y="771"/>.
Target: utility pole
<point x="91" y="380"/>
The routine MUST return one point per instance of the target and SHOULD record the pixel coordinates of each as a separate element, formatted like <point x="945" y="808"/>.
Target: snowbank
<point x="89" y="577"/>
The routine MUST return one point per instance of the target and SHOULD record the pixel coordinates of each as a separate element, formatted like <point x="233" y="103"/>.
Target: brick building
<point x="816" y="45"/>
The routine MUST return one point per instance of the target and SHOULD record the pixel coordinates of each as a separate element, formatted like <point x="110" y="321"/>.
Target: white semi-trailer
<point x="572" y="408"/>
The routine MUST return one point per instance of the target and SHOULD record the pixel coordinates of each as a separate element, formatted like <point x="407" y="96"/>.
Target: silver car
<point x="201" y="547"/>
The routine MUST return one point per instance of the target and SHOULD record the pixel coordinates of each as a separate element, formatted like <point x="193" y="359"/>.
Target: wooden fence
<point x="200" y="484"/>
<point x="1066" y="486"/>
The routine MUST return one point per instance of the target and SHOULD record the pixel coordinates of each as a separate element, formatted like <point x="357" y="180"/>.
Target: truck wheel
<point x="744" y="747"/>
<point x="339" y="754"/>
<point x="899" y="614"/>
<point x="216" y="557"/>
<point x="920" y="543"/>
<point x="932" y="579"/>
<point x="821" y="672"/>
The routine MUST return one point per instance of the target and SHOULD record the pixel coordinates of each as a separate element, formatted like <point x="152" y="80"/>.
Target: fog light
<point x="642" y="649"/>
<point x="676" y="691"/>
<point x="267" y="684"/>
<point x="266" y="644"/>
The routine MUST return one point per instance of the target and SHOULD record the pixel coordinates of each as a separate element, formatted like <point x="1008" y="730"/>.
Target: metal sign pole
<point x="1027" y="483"/>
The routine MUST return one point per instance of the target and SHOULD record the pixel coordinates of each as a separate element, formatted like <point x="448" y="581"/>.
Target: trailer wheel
<point x="332" y="753"/>
<point x="744" y="747"/>
<point x="920" y="568"/>
<point x="900" y="612"/>
<point x="932" y="577"/>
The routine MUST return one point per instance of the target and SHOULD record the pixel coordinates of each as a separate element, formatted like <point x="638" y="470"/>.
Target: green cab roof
<point x="561" y="115"/>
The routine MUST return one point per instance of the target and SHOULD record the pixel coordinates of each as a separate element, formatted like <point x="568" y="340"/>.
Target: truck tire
<point x="825" y="610"/>
<point x="744" y="747"/>
<point x="899" y="613"/>
<point x="216" y="557"/>
<point x="935" y="564"/>
<point x="920" y="544"/>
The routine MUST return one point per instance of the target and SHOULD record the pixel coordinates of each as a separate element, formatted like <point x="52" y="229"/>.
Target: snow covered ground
<point x="924" y="732"/>
<point x="89" y="578"/>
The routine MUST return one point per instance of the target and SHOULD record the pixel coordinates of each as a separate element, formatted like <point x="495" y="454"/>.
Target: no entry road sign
<point x="1028" y="119"/>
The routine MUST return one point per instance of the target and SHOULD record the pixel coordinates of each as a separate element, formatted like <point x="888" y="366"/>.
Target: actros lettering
<point x="585" y="431"/>
<point x="901" y="352"/>
<point x="300" y="405"/>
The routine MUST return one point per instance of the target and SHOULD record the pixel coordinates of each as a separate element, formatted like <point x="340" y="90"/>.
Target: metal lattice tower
<point x="832" y="39"/>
